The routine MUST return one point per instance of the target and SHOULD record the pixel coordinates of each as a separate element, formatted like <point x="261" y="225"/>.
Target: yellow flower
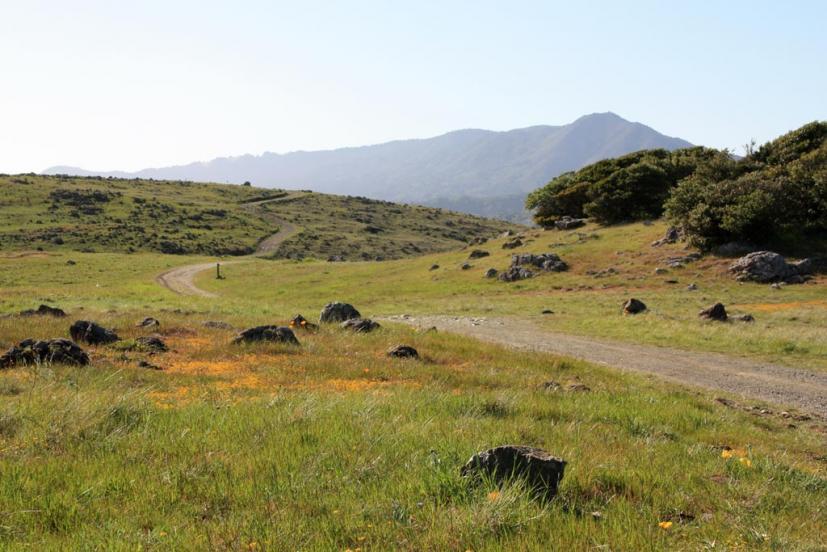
<point x="252" y="546"/>
<point x="493" y="495"/>
<point x="162" y="533"/>
<point x="665" y="524"/>
<point x="726" y="453"/>
<point x="746" y="462"/>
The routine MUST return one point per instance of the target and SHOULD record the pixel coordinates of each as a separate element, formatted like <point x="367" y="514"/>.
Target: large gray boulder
<point x="549" y="262"/>
<point x="541" y="471"/>
<point x="338" y="312"/>
<point x="766" y="266"/>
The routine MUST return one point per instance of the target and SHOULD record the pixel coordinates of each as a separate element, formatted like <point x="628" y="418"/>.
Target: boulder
<point x="514" y="274"/>
<point x="569" y="223"/>
<point x="434" y="267"/>
<point x="403" y="351"/>
<point x="633" y="306"/>
<point x="148" y="322"/>
<point x="31" y="351"/>
<point x="491" y="273"/>
<point x="767" y="266"/>
<point x="715" y="312"/>
<point x="466" y="266"/>
<point x="338" y="312"/>
<point x="299" y="321"/>
<point x="513" y="244"/>
<point x="549" y="262"/>
<point x="44" y="310"/>
<point x="478" y="254"/>
<point x="89" y="332"/>
<point x="672" y="236"/>
<point x="275" y="334"/>
<point x="541" y="471"/>
<point x="360" y="325"/>
<point x="151" y="343"/>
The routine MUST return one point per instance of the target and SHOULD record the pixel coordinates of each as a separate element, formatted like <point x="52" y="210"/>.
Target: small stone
<point x="403" y="351"/>
<point x="692" y="287"/>
<point x="92" y="333"/>
<point x="151" y="343"/>
<point x="715" y="312"/>
<point x="217" y="325"/>
<point x="466" y="266"/>
<point x="491" y="273"/>
<point x="148" y="322"/>
<point x="276" y="334"/>
<point x="478" y="254"/>
<point x="547" y="311"/>
<point x="360" y="325"/>
<point x="578" y="388"/>
<point x="745" y="318"/>
<point x="299" y="321"/>
<point x="434" y="267"/>
<point x="338" y="312"/>
<point x="634" y="306"/>
<point x="541" y="471"/>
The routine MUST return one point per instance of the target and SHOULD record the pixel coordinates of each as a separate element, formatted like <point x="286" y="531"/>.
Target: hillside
<point x="441" y="171"/>
<point x="114" y="215"/>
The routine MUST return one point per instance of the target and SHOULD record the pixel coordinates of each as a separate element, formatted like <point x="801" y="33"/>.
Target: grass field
<point x="114" y="215"/>
<point x="333" y="446"/>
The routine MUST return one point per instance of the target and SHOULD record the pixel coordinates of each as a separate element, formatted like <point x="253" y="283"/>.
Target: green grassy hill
<point x="112" y="215"/>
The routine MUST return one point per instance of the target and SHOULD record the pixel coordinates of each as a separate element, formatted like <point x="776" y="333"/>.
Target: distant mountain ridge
<point x="479" y="171"/>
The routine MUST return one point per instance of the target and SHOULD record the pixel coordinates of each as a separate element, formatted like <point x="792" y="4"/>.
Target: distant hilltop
<point x="478" y="171"/>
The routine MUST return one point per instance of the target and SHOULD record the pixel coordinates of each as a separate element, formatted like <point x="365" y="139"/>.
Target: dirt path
<point x="181" y="280"/>
<point x="768" y="382"/>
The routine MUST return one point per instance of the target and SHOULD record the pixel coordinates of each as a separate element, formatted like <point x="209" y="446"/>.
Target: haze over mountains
<point x="476" y="171"/>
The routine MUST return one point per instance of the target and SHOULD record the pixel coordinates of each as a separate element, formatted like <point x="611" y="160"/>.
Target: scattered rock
<point x="491" y="273"/>
<point x="300" y="321"/>
<point x="660" y="270"/>
<point x="550" y="386"/>
<point x="89" y="332"/>
<point x="434" y="267"/>
<point x="148" y="365"/>
<point x="569" y="223"/>
<point x="338" y="312"/>
<point x="513" y="244"/>
<point x="578" y="388"/>
<point x="634" y="306"/>
<point x="541" y="471"/>
<point x="514" y="274"/>
<point x="70" y="262"/>
<point x="151" y="343"/>
<point x="692" y="287"/>
<point x="547" y="311"/>
<point x="744" y="318"/>
<point x="403" y="351"/>
<point x="715" y="312"/>
<point x="277" y="334"/>
<point x="31" y="351"/>
<point x="360" y="325"/>
<point x="766" y="266"/>
<point x="672" y="236"/>
<point x="217" y="325"/>
<point x="148" y="322"/>
<point x="466" y="266"/>
<point x="478" y="254"/>
<point x="549" y="262"/>
<point x="44" y="310"/>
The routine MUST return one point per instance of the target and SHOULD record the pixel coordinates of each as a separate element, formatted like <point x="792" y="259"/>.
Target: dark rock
<point x="217" y="325"/>
<point x="466" y="266"/>
<point x="478" y="254"/>
<point x="513" y="244"/>
<point x="541" y="471"/>
<point x="514" y="274"/>
<point x="44" y="310"/>
<point x="148" y="365"/>
<point x="550" y="386"/>
<point x="547" y="311"/>
<point x="672" y="236"/>
<point x="766" y="266"/>
<point x="360" y="325"/>
<point x="549" y="262"/>
<point x="744" y="318"/>
<point x="715" y="312"/>
<point x="276" y="334"/>
<point x="88" y="332"/>
<point x="151" y="343"/>
<point x="491" y="273"/>
<point x="569" y="223"/>
<point x="300" y="321"/>
<point x="70" y="262"/>
<point x="434" y="267"/>
<point x="692" y="287"/>
<point x="338" y="312"/>
<point x="578" y="388"/>
<point x="148" y="322"/>
<point x="403" y="351"/>
<point x="633" y="306"/>
<point x="335" y="259"/>
<point x="31" y="351"/>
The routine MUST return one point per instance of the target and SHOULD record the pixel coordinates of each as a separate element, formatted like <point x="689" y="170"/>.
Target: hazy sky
<point x="134" y="84"/>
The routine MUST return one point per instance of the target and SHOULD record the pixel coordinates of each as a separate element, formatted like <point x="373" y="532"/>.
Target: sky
<point x="127" y="85"/>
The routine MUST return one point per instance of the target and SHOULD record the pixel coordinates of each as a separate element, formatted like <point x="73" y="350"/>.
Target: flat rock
<point x="715" y="312"/>
<point x="478" y="254"/>
<point x="85" y="331"/>
<point x="151" y="343"/>
<point x="360" y="325"/>
<point x="275" y="334"/>
<point x="44" y="310"/>
<point x="403" y="351"/>
<point x="148" y="322"/>
<point x="31" y="351"/>
<point x="541" y="471"/>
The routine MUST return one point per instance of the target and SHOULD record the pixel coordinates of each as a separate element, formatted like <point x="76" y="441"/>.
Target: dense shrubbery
<point x="632" y="187"/>
<point x="777" y="192"/>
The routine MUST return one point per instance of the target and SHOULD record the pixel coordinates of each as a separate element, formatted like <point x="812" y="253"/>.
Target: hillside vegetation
<point x="113" y="215"/>
<point x="777" y="193"/>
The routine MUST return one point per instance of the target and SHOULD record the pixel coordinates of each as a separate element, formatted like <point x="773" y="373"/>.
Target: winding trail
<point x="181" y="280"/>
<point x="776" y="384"/>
